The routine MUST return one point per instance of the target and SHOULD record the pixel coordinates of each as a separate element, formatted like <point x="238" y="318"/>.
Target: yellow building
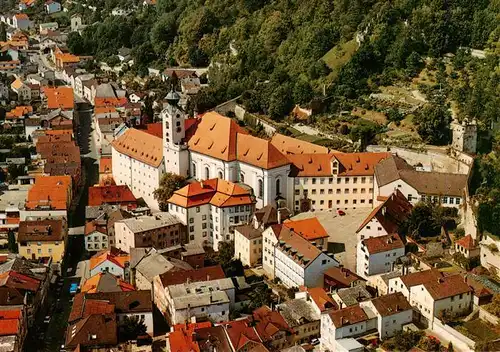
<point x="42" y="239"/>
<point x="248" y="245"/>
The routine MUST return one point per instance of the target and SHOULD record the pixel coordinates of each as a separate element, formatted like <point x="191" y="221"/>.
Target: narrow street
<point x="51" y="337"/>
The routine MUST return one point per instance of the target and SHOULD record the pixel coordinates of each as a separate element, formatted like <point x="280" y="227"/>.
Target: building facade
<point x="378" y="255"/>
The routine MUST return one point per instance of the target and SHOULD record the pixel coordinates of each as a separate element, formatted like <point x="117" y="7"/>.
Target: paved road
<point x="51" y="337"/>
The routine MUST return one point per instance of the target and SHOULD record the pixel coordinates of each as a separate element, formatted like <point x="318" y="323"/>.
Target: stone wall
<point x="460" y="341"/>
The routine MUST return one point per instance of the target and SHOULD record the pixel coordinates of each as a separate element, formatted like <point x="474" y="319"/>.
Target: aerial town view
<point x="249" y="175"/>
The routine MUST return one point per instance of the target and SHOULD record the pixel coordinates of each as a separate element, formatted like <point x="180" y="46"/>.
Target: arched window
<point x="207" y="173"/>
<point x="194" y="170"/>
<point x="242" y="177"/>
<point x="261" y="189"/>
<point x="220" y="175"/>
<point x="167" y="125"/>
<point x="278" y="186"/>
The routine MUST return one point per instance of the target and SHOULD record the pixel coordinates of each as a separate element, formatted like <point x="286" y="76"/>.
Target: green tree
<point x="12" y="244"/>
<point x="433" y="123"/>
<point x="422" y="222"/>
<point x="260" y="297"/>
<point x="302" y="92"/>
<point x="226" y="253"/>
<point x="169" y="183"/>
<point x="132" y="327"/>
<point x="280" y="103"/>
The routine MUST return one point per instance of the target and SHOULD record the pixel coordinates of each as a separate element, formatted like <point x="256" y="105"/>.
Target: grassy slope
<point x="339" y="55"/>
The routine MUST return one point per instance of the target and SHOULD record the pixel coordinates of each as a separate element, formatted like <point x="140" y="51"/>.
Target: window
<point x="261" y="188"/>
<point x="207" y="173"/>
<point x="354" y="180"/>
<point x="363" y="179"/>
<point x="193" y="165"/>
<point x="313" y="180"/>
<point x="191" y="220"/>
<point x="330" y="191"/>
<point x="204" y="225"/>
<point x="321" y="191"/>
<point x="410" y="197"/>
<point x="313" y="191"/>
<point x="297" y="192"/>
<point x="242" y="177"/>
<point x="354" y="190"/>
<point x="330" y="180"/>
<point x="346" y="180"/>
<point x="204" y="217"/>
<point x="220" y="174"/>
<point x="457" y="200"/>
<point x="278" y="187"/>
<point x="39" y="251"/>
<point x="338" y="190"/>
<point x="322" y="180"/>
<point x="444" y="200"/>
<point x="191" y="228"/>
<point x="346" y="190"/>
<point x="338" y="181"/>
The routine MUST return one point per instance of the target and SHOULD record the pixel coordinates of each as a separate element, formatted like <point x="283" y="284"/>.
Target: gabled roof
<point x="269" y="322"/>
<point x="307" y="165"/>
<point x="391" y="213"/>
<point x="289" y="145"/>
<point x="46" y="230"/>
<point x="141" y="146"/>
<point x="49" y="191"/>
<point x="18" y="83"/>
<point x="447" y="286"/>
<point x="203" y="274"/>
<point x="467" y="242"/>
<point x="83" y="307"/>
<point x="59" y="98"/>
<point x="241" y="333"/>
<point x="267" y="215"/>
<point x="110" y="194"/>
<point x="114" y="255"/>
<point x="419" y="277"/>
<point x="321" y="298"/>
<point x="342" y="275"/>
<point x="431" y="183"/>
<point x="348" y="316"/>
<point x="216" y="136"/>
<point x="382" y="244"/>
<point x="217" y="192"/>
<point x="14" y="279"/>
<point x="105" y="282"/>
<point x="259" y="152"/>
<point x="391" y="304"/>
<point x="94" y="330"/>
<point x="311" y="229"/>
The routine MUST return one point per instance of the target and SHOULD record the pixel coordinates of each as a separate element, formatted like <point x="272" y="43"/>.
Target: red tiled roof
<point x="9" y="327"/>
<point x="182" y="339"/>
<point x="155" y="129"/>
<point x="241" y="333"/>
<point x="321" y="298"/>
<point x="140" y="146"/>
<point x="113" y="255"/>
<point x="202" y="274"/>
<point x="268" y="323"/>
<point x="311" y="229"/>
<point x="466" y="242"/>
<point x="383" y="243"/>
<point x="342" y="275"/>
<point x="348" y="316"/>
<point x="217" y="192"/>
<point x="391" y="213"/>
<point x="419" y="277"/>
<point x="13" y="279"/>
<point x="391" y="304"/>
<point x="59" y="98"/>
<point x="447" y="286"/>
<point x="110" y="194"/>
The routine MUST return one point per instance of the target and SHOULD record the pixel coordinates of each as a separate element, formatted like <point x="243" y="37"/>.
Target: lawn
<point x="339" y="55"/>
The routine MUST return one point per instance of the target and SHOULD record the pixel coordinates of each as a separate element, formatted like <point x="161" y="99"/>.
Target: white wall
<point x="96" y="241"/>
<point x="371" y="229"/>
<point x="376" y="263"/>
<point x="269" y="241"/>
<point x="142" y="179"/>
<point x="109" y="267"/>
<point x="124" y="237"/>
<point x="214" y="312"/>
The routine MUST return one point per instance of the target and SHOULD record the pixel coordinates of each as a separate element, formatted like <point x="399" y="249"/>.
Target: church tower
<point x="175" y="152"/>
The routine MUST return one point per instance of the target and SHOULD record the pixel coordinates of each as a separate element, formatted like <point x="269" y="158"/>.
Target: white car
<point x="46" y="320"/>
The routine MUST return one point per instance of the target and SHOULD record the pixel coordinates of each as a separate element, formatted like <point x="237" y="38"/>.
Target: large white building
<point x="378" y="255"/>
<point x="334" y="180"/>
<point x="211" y="210"/>
<point x="137" y="161"/>
<point x="434" y="294"/>
<point x="447" y="189"/>
<point x="298" y="262"/>
<point x="310" y="229"/>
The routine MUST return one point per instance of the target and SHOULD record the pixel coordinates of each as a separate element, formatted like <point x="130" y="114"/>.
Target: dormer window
<point x="335" y="167"/>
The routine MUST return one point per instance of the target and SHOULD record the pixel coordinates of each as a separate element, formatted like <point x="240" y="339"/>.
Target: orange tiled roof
<point x="50" y="191"/>
<point x="297" y="247"/>
<point x="141" y="146"/>
<point x="67" y="58"/>
<point x="290" y="145"/>
<point x="110" y="102"/>
<point x="217" y="192"/>
<point x="182" y="339"/>
<point x="113" y="255"/>
<point x="21" y="16"/>
<point x="110" y="194"/>
<point x="92" y="284"/>
<point x="419" y="277"/>
<point x="359" y="164"/>
<point x="10" y="321"/>
<point x="269" y="323"/>
<point x="348" y="316"/>
<point x="447" y="286"/>
<point x="320" y="297"/>
<point x="18" y="83"/>
<point x="105" y="165"/>
<point x="467" y="242"/>
<point x="216" y="136"/>
<point x="311" y="229"/>
<point x="259" y="152"/>
<point x="59" y="98"/>
<point x="19" y="111"/>
<point x="104" y="110"/>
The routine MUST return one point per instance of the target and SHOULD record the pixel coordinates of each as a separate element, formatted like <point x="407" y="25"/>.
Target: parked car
<point x="341" y="212"/>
